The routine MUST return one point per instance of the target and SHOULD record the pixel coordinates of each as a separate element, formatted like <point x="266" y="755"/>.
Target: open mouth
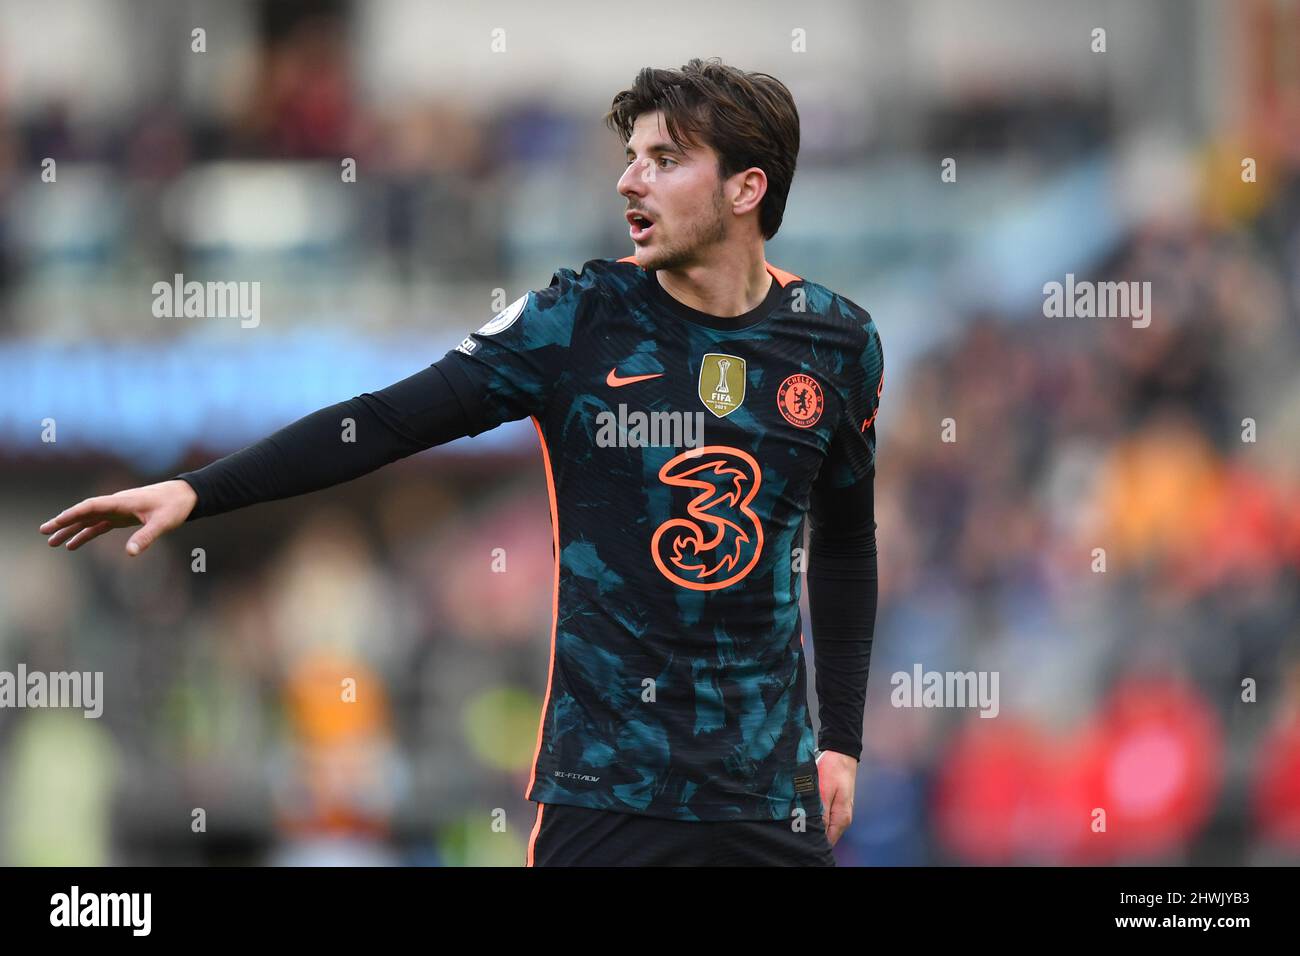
<point x="641" y="226"/>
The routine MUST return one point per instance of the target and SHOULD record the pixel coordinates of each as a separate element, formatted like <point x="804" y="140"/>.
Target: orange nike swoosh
<point x="613" y="380"/>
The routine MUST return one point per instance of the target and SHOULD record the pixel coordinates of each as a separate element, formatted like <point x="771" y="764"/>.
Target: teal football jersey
<point x="680" y="451"/>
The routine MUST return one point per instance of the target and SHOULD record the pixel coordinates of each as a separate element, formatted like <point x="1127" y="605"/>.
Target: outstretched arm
<point x="506" y="370"/>
<point x="310" y="454"/>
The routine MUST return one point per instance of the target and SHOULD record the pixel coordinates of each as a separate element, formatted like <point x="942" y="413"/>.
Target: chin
<point x="647" y="258"/>
<point x="657" y="260"/>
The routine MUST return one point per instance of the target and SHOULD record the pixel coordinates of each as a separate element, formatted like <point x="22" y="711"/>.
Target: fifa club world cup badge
<point x="722" y="383"/>
<point x="800" y="400"/>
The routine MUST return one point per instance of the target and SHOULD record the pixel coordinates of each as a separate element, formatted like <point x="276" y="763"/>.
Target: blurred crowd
<point x="1116" y="531"/>
<point x="1106" y="516"/>
<point x="377" y="213"/>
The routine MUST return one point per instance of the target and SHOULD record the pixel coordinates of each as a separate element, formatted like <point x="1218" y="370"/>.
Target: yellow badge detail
<point x="722" y="383"/>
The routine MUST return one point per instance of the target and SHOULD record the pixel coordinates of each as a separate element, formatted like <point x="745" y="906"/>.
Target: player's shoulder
<point x="840" y="310"/>
<point x="595" y="282"/>
<point x="567" y="282"/>
<point x="861" y="338"/>
<point x="617" y="278"/>
<point x="604" y="274"/>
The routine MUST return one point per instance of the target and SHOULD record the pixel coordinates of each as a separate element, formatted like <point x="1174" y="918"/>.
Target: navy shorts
<point x="578" y="836"/>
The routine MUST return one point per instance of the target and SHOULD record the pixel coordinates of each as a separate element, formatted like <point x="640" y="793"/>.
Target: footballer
<point x="675" y="728"/>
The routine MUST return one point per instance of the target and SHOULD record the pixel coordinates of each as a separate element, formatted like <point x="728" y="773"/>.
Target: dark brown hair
<point x="749" y="119"/>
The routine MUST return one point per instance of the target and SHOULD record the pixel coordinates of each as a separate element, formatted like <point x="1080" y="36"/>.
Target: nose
<point x="633" y="181"/>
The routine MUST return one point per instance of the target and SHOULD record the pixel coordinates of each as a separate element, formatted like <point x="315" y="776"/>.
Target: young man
<point x="675" y="728"/>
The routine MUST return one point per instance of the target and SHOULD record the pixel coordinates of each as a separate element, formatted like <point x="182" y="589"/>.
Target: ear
<point x="751" y="187"/>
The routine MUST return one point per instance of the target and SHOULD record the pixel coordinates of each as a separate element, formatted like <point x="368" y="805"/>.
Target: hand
<point x="159" y="507"/>
<point x="838" y="775"/>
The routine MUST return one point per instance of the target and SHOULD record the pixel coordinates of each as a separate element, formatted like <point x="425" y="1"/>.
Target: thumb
<point x="836" y="812"/>
<point x="140" y="540"/>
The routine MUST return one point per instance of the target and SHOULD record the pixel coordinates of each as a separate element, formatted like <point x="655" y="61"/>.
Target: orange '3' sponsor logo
<point x="704" y="550"/>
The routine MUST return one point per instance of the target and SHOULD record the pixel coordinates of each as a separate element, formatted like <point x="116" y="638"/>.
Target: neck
<point x="729" y="284"/>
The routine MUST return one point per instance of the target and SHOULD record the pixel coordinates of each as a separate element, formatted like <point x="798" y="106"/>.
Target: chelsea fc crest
<point x="800" y="400"/>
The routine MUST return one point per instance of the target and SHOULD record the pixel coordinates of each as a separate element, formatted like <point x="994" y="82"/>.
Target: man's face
<point x="678" y="191"/>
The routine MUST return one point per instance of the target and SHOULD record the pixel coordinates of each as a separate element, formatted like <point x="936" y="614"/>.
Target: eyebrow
<point x="657" y="148"/>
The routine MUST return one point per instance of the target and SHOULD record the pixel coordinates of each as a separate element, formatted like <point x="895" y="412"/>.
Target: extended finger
<point x="63" y="534"/>
<point x="78" y="512"/>
<point x="89" y="534"/>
